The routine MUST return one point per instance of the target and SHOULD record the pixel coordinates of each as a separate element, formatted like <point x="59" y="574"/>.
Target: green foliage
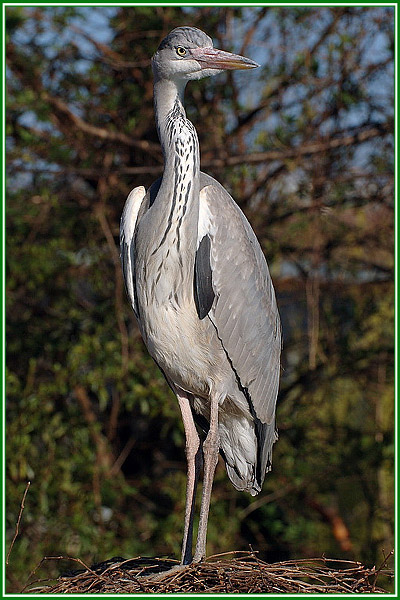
<point x="90" y="420"/>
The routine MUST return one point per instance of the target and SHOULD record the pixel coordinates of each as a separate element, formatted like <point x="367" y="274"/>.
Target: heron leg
<point x="210" y="449"/>
<point x="193" y="456"/>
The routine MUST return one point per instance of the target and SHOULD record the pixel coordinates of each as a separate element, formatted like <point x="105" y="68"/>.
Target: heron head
<point x="187" y="53"/>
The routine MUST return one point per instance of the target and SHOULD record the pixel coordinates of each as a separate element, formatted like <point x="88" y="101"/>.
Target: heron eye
<point x="180" y="51"/>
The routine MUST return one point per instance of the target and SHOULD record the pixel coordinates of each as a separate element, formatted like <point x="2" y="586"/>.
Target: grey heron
<point x="201" y="291"/>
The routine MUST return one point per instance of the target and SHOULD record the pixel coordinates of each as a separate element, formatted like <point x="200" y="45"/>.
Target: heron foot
<point x="160" y="576"/>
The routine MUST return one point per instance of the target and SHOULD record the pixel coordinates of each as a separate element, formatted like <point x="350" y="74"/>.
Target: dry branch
<point x="21" y="510"/>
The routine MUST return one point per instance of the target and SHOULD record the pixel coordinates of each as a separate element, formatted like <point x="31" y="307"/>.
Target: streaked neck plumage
<point x="167" y="95"/>
<point x="178" y="137"/>
<point x="176" y="203"/>
<point x="174" y="129"/>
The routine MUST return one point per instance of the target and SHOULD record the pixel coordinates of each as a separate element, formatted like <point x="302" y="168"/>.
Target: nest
<point x="235" y="572"/>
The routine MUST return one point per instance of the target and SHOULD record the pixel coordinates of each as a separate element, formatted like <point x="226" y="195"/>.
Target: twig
<point x="47" y="558"/>
<point x="122" y="457"/>
<point x="380" y="568"/>
<point x="18" y="521"/>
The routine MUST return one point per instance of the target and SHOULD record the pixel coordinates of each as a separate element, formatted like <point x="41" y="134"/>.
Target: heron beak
<point x="211" y="58"/>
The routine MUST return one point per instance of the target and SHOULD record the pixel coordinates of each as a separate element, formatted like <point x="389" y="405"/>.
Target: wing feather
<point x="244" y="310"/>
<point x="127" y="231"/>
<point x="203" y="292"/>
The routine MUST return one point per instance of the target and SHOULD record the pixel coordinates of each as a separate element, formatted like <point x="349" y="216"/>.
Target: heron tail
<point x="246" y="447"/>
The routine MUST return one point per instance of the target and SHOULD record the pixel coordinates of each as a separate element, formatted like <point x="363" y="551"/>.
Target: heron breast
<point x="181" y="345"/>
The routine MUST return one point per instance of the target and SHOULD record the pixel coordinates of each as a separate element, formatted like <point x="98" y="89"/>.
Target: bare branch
<point x="100" y="132"/>
<point x="238" y="159"/>
<point x="18" y="521"/>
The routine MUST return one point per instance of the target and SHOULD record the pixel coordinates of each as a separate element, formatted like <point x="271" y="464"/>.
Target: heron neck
<point x="168" y="100"/>
<point x="176" y="202"/>
<point x="178" y="139"/>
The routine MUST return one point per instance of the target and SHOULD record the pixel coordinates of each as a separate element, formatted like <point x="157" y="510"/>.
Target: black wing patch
<point x="203" y="290"/>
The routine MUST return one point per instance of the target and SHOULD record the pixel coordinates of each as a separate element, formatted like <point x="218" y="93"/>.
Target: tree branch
<point x="100" y="132"/>
<point x="251" y="158"/>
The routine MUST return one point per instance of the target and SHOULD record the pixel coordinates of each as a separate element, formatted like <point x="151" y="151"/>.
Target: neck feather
<point x="177" y="198"/>
<point x="168" y="100"/>
<point x="177" y="135"/>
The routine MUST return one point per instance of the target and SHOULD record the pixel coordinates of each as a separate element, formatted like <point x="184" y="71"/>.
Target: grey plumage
<point x="191" y="37"/>
<point x="200" y="288"/>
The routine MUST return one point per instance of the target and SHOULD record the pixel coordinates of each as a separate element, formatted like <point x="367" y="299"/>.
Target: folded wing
<point x="127" y="232"/>
<point x="244" y="310"/>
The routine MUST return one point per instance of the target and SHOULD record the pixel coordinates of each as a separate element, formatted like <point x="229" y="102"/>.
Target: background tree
<point x="305" y="145"/>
